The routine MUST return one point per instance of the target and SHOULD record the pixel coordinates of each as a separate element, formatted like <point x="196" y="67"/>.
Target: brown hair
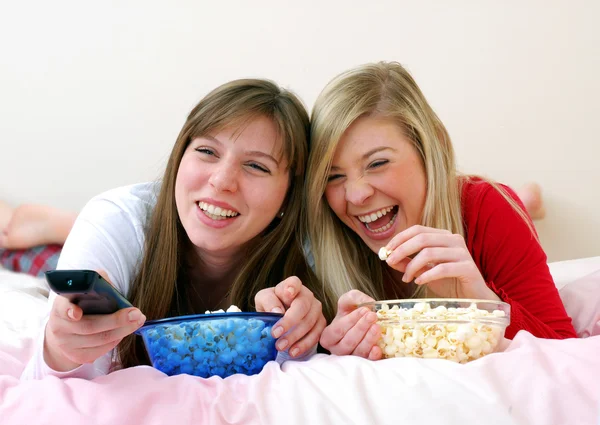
<point x="160" y="285"/>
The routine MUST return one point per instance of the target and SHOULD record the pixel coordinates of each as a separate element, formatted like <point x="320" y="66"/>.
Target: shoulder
<point x="109" y="233"/>
<point x="132" y="203"/>
<point x="481" y="200"/>
<point x="493" y="225"/>
<point x="130" y="198"/>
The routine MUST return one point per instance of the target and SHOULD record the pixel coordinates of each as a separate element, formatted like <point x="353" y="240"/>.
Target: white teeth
<point x="374" y="216"/>
<point x="384" y="228"/>
<point x="216" y="213"/>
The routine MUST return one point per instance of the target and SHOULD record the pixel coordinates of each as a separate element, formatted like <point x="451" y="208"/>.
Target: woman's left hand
<point x="303" y="320"/>
<point x="442" y="262"/>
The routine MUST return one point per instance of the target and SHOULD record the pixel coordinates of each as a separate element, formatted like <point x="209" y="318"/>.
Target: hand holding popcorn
<point x="353" y="330"/>
<point x="441" y="261"/>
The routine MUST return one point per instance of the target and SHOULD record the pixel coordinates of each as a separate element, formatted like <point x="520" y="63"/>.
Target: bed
<point x="532" y="381"/>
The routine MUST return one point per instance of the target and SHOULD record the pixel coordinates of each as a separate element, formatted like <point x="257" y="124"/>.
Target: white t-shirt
<point x="107" y="235"/>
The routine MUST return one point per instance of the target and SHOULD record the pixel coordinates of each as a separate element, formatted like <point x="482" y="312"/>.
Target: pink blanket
<point x="533" y="382"/>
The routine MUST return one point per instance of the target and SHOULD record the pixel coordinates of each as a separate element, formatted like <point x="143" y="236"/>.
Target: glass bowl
<point x="205" y="345"/>
<point x="459" y="330"/>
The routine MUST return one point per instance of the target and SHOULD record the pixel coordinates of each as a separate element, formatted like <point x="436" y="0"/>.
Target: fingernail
<point x="291" y="290"/>
<point x="71" y="313"/>
<point x="295" y="352"/>
<point x="405" y="278"/>
<point x="282" y="344"/>
<point x="141" y="320"/>
<point x="134" y="316"/>
<point x="418" y="281"/>
<point x="277" y="332"/>
<point x="276" y="310"/>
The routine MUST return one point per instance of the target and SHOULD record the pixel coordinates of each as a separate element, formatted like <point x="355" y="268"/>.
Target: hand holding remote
<point x="72" y="338"/>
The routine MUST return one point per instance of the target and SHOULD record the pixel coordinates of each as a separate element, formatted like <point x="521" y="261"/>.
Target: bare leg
<point x="32" y="225"/>
<point x="531" y="195"/>
<point x="6" y="213"/>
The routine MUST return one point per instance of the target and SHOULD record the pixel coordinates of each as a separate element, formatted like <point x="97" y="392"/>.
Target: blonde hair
<point x="160" y="287"/>
<point x="385" y="89"/>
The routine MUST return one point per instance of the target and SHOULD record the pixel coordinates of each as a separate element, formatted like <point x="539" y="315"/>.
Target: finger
<point x="90" y="354"/>
<point x="75" y="313"/>
<point x="410" y="233"/>
<point x="66" y="310"/>
<point x="419" y="272"/>
<point x="266" y="300"/>
<point x="350" y="300"/>
<point x="95" y="324"/>
<point x="310" y="339"/>
<point x="357" y="333"/>
<point x="363" y="349"/>
<point x="401" y="265"/>
<point x="102" y="338"/>
<point x="288" y="290"/>
<point x="340" y="326"/>
<point x="429" y="257"/>
<point x="420" y="242"/>
<point x="375" y="353"/>
<point x="299" y="308"/>
<point x="301" y="328"/>
<point x="442" y="271"/>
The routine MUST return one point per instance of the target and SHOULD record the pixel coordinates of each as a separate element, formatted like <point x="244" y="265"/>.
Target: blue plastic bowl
<point x="205" y="345"/>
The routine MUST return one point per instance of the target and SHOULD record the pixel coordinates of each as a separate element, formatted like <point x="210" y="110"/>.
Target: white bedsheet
<point x="533" y="381"/>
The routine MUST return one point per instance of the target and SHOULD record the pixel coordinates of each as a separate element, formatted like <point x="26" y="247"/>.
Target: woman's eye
<point x="259" y="167"/>
<point x="206" y="151"/>
<point x="378" y="163"/>
<point x="333" y="177"/>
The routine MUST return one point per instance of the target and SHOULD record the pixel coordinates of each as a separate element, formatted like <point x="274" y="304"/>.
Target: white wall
<point x="93" y="94"/>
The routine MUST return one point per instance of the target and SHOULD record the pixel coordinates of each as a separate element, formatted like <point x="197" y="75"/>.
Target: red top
<point x="512" y="262"/>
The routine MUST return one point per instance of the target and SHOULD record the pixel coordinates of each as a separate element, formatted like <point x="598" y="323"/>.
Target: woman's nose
<point x="224" y="177"/>
<point x="358" y="191"/>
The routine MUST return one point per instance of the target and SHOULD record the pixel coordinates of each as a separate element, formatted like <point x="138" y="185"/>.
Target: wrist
<point x="485" y="293"/>
<point x="56" y="360"/>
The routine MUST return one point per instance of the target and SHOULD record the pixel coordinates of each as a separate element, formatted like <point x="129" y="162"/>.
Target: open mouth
<point x="216" y="213"/>
<point x="381" y="220"/>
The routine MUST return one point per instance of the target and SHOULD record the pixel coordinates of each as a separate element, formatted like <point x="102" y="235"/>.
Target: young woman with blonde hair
<point x="382" y="173"/>
<point x="218" y="229"/>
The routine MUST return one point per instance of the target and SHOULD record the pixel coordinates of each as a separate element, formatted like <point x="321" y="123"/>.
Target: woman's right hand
<point x="72" y="339"/>
<point x="353" y="331"/>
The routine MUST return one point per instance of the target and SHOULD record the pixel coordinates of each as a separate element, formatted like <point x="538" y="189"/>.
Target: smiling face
<point x="230" y="186"/>
<point x="377" y="184"/>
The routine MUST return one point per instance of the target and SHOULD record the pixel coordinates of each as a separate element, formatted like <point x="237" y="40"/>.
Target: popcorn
<point x="475" y="333"/>
<point x="219" y="346"/>
<point x="384" y="253"/>
<point x="231" y="309"/>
